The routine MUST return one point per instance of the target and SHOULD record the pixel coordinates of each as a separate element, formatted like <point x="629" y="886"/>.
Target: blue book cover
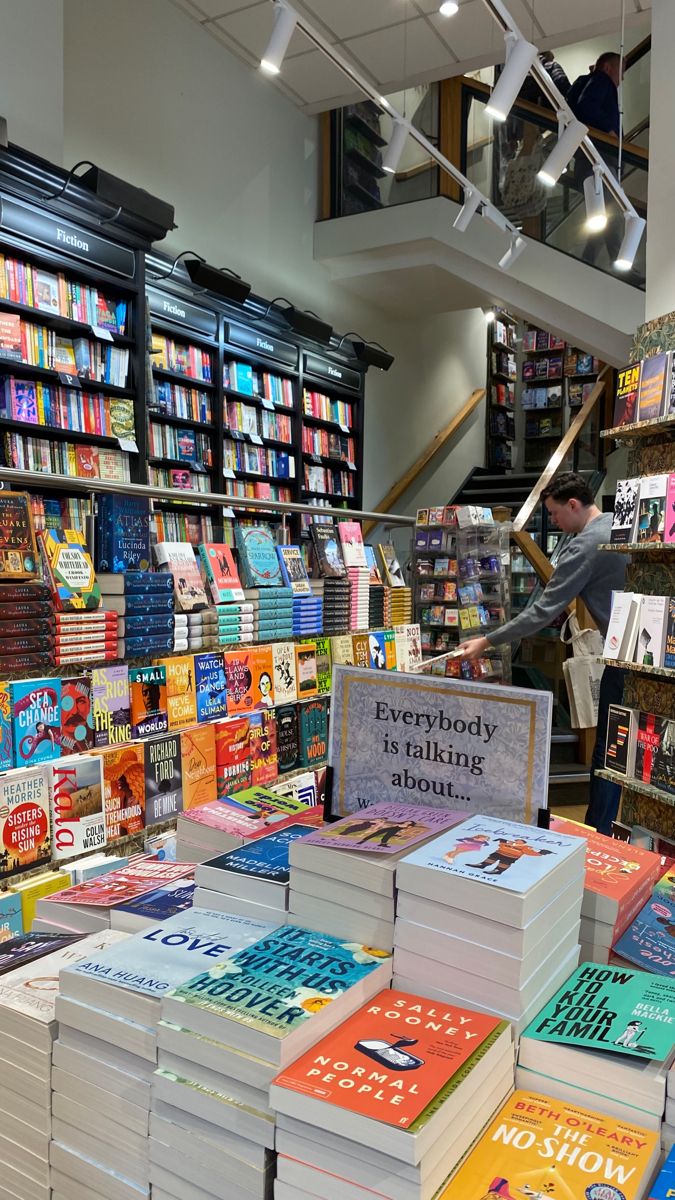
<point x="11" y="922"/>
<point x="276" y="985"/>
<point x="663" y="1187"/>
<point x="150" y="644"/>
<point x="294" y="571"/>
<point x="241" y="378"/>
<point x="164" y="902"/>
<point x="36" y="721"/>
<point x="266" y="858"/>
<point x="142" y="582"/>
<point x="150" y="623"/>
<point x="376" y="652"/>
<point x="258" y="556"/>
<point x="649" y="941"/>
<point x="151" y="602"/>
<point x="27" y="947"/>
<point x="123" y="533"/>
<point x="173" y="951"/>
<point x="211" y="686"/>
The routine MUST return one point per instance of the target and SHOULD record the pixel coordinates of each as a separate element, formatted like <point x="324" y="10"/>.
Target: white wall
<point x="31" y="74"/>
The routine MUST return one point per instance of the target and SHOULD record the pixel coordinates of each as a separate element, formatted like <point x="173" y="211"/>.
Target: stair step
<point x="583" y="775"/>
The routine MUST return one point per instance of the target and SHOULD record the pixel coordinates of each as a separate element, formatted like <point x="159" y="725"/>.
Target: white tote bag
<point x="582" y="672"/>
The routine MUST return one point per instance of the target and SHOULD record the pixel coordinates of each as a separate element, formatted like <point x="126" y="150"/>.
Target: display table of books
<point x="640" y="746"/>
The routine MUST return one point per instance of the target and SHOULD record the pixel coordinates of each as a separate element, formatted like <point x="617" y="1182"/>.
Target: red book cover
<point x="221" y="573"/>
<point x="249" y="675"/>
<point x="124" y="790"/>
<point x="119" y="887"/>
<point x="233" y="756"/>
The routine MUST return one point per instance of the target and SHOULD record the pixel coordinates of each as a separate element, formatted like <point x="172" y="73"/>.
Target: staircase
<point x="490" y="488"/>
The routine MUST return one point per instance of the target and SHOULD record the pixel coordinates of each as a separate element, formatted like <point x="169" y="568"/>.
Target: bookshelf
<point x="362" y="145"/>
<point x="331" y="433"/>
<point x="501" y="392"/>
<point x="556" y="379"/>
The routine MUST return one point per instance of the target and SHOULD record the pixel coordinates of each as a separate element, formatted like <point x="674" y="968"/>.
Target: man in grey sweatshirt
<point x="592" y="575"/>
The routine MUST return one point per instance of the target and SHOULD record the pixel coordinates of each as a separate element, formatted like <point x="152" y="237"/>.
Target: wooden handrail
<point x="426" y="456"/>
<point x="565" y="444"/>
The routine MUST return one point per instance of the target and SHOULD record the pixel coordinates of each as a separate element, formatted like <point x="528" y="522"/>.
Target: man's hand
<point x="474" y="647"/>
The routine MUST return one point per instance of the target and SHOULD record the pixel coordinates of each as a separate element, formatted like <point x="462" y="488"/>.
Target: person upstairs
<point x="594" y="98"/>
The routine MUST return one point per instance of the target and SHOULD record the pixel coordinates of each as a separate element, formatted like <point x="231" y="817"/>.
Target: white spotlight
<point x="392" y="155"/>
<point x="514" y="252"/>
<point x="520" y="56"/>
<point x="565" y="148"/>
<point x="468" y="210"/>
<point x="634" y="228"/>
<point x="285" y="21"/>
<point x="594" y="193"/>
<point x="489" y="314"/>
<point x="449" y="8"/>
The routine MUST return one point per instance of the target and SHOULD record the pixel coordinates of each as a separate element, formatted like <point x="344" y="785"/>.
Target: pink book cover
<point x="236" y="823"/>
<point x="137" y="878"/>
<point x="385" y="828"/>
<point x="351" y="540"/>
<point x="669" y="523"/>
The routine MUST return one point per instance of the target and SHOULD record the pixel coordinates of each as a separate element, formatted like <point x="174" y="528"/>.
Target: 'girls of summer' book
<point x="221" y="573"/>
<point x="24" y="820"/>
<point x="147" y="692"/>
<point x="76" y="791"/>
<point x="110" y="705"/>
<point x="69" y="570"/>
<point x="258" y="556"/>
<point x="36" y="720"/>
<point x="263" y="748"/>
<point x="211" y="685"/>
<point x="385" y="828"/>
<point x="293" y="570"/>
<point x="649" y="941"/>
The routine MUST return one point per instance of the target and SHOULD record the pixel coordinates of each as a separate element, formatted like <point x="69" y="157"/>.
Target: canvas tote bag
<point x="582" y="672"/>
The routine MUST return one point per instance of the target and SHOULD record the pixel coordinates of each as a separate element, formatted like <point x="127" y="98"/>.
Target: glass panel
<point x="636" y="95"/>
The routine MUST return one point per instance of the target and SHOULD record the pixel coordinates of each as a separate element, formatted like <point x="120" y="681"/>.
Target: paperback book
<point x="181" y="695"/>
<point x="77" y="719"/>
<point x="29" y="947"/>
<point x="221" y="572"/>
<point x="651" y="513"/>
<point x="385" y="828"/>
<point x="124" y="790"/>
<point x="155" y="906"/>
<point x="653" y="390"/>
<point x="283" y="673"/>
<point x="293" y="570"/>
<point x="649" y="940"/>
<point x="265" y="858"/>
<point x="36" y="720"/>
<point x="163" y="778"/>
<point x="249" y="674"/>
<point x="70" y="570"/>
<point x="313" y="732"/>
<point x="18" y="548"/>
<point x="263" y="748"/>
<point x="111" y="705"/>
<point x="122" y="533"/>
<point x="11" y="922"/>
<point x="24" y="820"/>
<point x="233" y="756"/>
<point x="198" y="756"/>
<point x="77" y="808"/>
<point x="625" y="512"/>
<point x="351" y="541"/>
<point x="178" y="558"/>
<point x="211" y="686"/>
<point x="147" y="693"/>
<point x="625" y="400"/>
<point x="258" y="556"/>
<point x="139" y="877"/>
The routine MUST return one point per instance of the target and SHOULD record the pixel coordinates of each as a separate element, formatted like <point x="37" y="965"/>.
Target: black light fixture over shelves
<point x="303" y="321"/>
<point x="219" y="280"/>
<point x="121" y="197"/>
<point x="371" y="354"/>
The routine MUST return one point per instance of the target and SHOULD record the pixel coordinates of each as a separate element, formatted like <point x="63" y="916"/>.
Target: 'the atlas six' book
<point x="70" y="570"/>
<point x="76" y="790"/>
<point x="147" y="690"/>
<point x="123" y="533"/>
<point x="24" y="820"/>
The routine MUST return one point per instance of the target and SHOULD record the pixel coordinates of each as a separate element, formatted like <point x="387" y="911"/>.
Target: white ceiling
<point x="398" y="43"/>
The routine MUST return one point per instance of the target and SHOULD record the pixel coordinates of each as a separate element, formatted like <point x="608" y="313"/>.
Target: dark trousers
<point x="604" y="795"/>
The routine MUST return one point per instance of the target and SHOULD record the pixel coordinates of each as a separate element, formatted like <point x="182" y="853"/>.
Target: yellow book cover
<point x="40" y="403"/>
<point x="342" y="649"/>
<point x="34" y="891"/>
<point x="546" y="1149"/>
<point x="181" y="701"/>
<point x="361" y="650"/>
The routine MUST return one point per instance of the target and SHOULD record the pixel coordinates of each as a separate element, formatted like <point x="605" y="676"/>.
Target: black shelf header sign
<point x="66" y="238"/>
<point x="332" y="372"/>
<point x="181" y="312"/>
<point x="262" y="344"/>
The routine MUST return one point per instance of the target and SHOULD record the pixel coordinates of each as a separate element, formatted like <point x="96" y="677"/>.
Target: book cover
<point x="18" y="547"/>
<point x="276" y="985"/>
<point x="361" y="649"/>
<point x="77" y="810"/>
<point x="327" y="548"/>
<point x="6" y="742"/>
<point x="324" y="673"/>
<point x="652" y="626"/>
<point x="651" y="515"/>
<point x="163" y="902"/>
<point x="342" y="649"/>
<point x="669" y="516"/>
<point x="621" y="741"/>
<point x="221" y="572"/>
<point x="77" y="720"/>
<point x="540" y="1148"/>
<point x="265" y="858"/>
<point x="70" y="570"/>
<point x="139" y="877"/>
<point x="163" y="778"/>
<point x="306" y="670"/>
<point x="283" y="673"/>
<point x="351" y="541"/>
<point x="24" y="820"/>
<point x="147" y="694"/>
<point x="263" y="748"/>
<point x="181" y="695"/>
<point x="417" y="1053"/>
<point x="625" y="399"/>
<point x="385" y="828"/>
<point x="258" y="556"/>
<point x="669" y="649"/>
<point x="198" y="756"/>
<point x="111" y="705"/>
<point x="613" y="868"/>
<point x="624" y="521"/>
<point x="623" y="1013"/>
<point x="393" y="573"/>
<point x="501" y="854"/>
<point x="36" y="720"/>
<point x="663" y="1187"/>
<point x="649" y="940"/>
<point x="265" y="803"/>
<point x="124" y="790"/>
<point x="27" y="948"/>
<point x="652" y="746"/>
<point x="249" y="675"/>
<point x="313" y="732"/>
<point x="376" y="652"/>
<point x="211" y="685"/>
<point x="288" y="744"/>
<point x="652" y="390"/>
<point x="293" y="570"/>
<point x="11" y="922"/>
<point x="623" y="627"/>
<point x="32" y="988"/>
<point x="233" y="755"/>
<point x="236" y="822"/>
<point x="122" y="533"/>
<point x="178" y="558"/>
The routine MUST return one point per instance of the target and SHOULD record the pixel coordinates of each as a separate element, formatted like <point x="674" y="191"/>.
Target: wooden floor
<point x="571" y="812"/>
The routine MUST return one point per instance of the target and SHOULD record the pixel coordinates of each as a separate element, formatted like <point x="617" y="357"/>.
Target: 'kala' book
<point x="76" y="791"/>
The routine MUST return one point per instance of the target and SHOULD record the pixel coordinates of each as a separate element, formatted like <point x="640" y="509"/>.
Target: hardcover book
<point x="392" y="569"/>
<point x="178" y="558"/>
<point x="249" y="675"/>
<point x="198" y="756"/>
<point x="288" y="745"/>
<point x="624" y="521"/>
<point x="625" y="400"/>
<point x="111" y="705"/>
<point x="327" y="548"/>
<point x="653" y="754"/>
<point x="24" y="820"/>
<point x="233" y="756"/>
<point x="293" y="570"/>
<point x="18" y="548"/>
<point x="283" y="673"/>
<point x="77" y="719"/>
<point x="258" y="556"/>
<point x="385" y="828"/>
<point x="124" y="790"/>
<point x="324" y="674"/>
<point x="181" y="695"/>
<point x="669" y="650"/>
<point x="122" y="533"/>
<point x="70" y="570"/>
<point x="313" y="732"/>
<point x="147" y="693"/>
<point x="77" y="810"/>
<point x="265" y="858"/>
<point x="163" y="778"/>
<point x="652" y="394"/>
<point x="162" y="903"/>
<point x="36" y="720"/>
<point x="669" y="516"/>
<point x="351" y="541"/>
<point x="651" y="515"/>
<point x="211" y="685"/>
<point x="306" y="670"/>
<point x="621" y="743"/>
<point x="221" y="572"/>
<point x="139" y="877"/>
<point x="263" y="748"/>
<point x="622" y="630"/>
<point x="649" y="939"/>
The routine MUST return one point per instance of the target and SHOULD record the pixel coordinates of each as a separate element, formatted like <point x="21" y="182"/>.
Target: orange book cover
<point x="391" y="1059"/>
<point x="361" y="650"/>
<point x="233" y="756"/>
<point x="249" y="675"/>
<point x="619" y="870"/>
<point x="181" y="698"/>
<point x="306" y="670"/>
<point x="124" y="790"/>
<point x="540" y="1147"/>
<point x="198" y="755"/>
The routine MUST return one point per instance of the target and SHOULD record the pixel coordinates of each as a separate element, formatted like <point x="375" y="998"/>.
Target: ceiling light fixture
<point x="472" y="202"/>
<point x="449" y="8"/>
<point x="285" y="21"/>
<point x="513" y="253"/>
<point x="565" y="148"/>
<point x="392" y="155"/>
<point x="594" y="195"/>
<point x="520" y="55"/>
<point x="634" y="229"/>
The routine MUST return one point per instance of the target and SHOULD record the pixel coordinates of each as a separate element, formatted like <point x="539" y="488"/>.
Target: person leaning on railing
<point x="594" y="100"/>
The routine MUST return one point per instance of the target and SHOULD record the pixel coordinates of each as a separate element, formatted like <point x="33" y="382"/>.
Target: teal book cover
<point x="280" y="982"/>
<point x="608" y="1008"/>
<point x="258" y="556"/>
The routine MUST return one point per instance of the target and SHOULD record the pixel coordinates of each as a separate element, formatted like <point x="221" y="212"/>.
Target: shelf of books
<point x="332" y="432"/>
<point x="556" y="380"/>
<point x="501" y="390"/>
<point x="641" y="636"/>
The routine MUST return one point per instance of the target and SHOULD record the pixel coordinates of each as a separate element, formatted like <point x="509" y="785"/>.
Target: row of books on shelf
<point x="330" y="445"/>
<point x="502" y="424"/>
<point x="453" y="517"/>
<point x="39" y="346"/>
<point x="543" y="426"/>
<point x="541" y="339"/>
<point x="188" y="445"/>
<point x="66" y="408"/>
<point x="100" y="362"/>
<point x="644" y="510"/>
<point x="645" y="390"/>
<point x="259" y="490"/>
<point x="543" y="368"/>
<point x="50" y="292"/>
<point x="170" y="355"/>
<point x="640" y="747"/>
<point x="503" y="394"/>
<point x="504" y="332"/>
<point x="327" y="408"/>
<point x="544" y="397"/>
<point x="258" y="460"/>
<point x="253" y="381"/>
<point x="256" y="422"/>
<point x="503" y="362"/>
<point x="642" y="630"/>
<point x="578" y="393"/>
<point x="179" y="478"/>
<point x="175" y="400"/>
<point x="65" y="458"/>
<point x="329" y="480"/>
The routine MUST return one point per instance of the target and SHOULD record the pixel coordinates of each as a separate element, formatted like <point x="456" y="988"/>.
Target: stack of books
<point x="114" y="997"/>
<point x="358" y="572"/>
<point x="234" y="623"/>
<point x="144" y="604"/>
<point x="336" y="596"/>
<point x="27" y="626"/>
<point x="234" y="821"/>
<point x="601" y="1040"/>
<point x="87" y="637"/>
<point x="223" y="1037"/>
<point x="202" y="630"/>
<point x="29" y="975"/>
<point x="619" y="880"/>
<point x="343" y="875"/>
<point x="376" y="604"/>
<point x="307" y="615"/>
<point x="158" y="905"/>
<point x="272" y="613"/>
<point x="431" y="1080"/>
<point x="401" y="606"/>
<point x="648" y="940"/>
<point x="32" y="890"/>
<point x="253" y="880"/>
<point x="492" y="900"/>
<point x="86" y="907"/>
